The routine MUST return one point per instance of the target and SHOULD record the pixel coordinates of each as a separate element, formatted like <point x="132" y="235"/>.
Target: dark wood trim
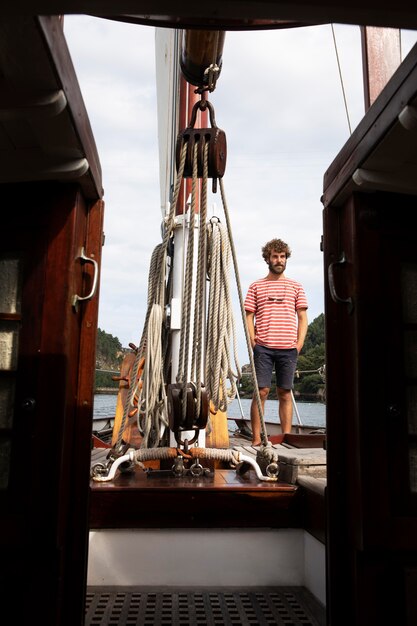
<point x="10" y="317"/>
<point x="313" y="513"/>
<point x="228" y="500"/>
<point x="222" y="13"/>
<point x="76" y="545"/>
<point x="60" y="59"/>
<point x="383" y="114"/>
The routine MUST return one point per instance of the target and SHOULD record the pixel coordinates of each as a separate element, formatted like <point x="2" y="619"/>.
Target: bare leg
<point x="254" y="415"/>
<point x="285" y="409"/>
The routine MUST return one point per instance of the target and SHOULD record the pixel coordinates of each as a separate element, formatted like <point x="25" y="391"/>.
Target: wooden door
<point x="46" y="377"/>
<point x="370" y="254"/>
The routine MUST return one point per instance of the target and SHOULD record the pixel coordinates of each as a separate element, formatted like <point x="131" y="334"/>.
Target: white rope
<point x="216" y="454"/>
<point x="156" y="295"/>
<point x="152" y="402"/>
<point x="220" y="324"/>
<point x="188" y="282"/>
<point x="199" y="302"/>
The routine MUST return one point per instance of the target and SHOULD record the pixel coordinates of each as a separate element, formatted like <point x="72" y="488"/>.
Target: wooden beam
<point x="227" y="500"/>
<point x="381" y="55"/>
<point x="232" y="14"/>
<point x="18" y="104"/>
<point x="372" y="129"/>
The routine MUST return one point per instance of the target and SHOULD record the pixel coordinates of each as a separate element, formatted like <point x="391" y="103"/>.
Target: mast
<point x="187" y="99"/>
<point x="186" y="56"/>
<point x="381" y="55"/>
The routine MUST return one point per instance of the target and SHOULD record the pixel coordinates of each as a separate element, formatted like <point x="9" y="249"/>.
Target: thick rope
<point x="217" y="454"/>
<point x="153" y="403"/>
<point x="183" y="373"/>
<point x="156" y="295"/>
<point x="199" y="306"/>
<point x="220" y="323"/>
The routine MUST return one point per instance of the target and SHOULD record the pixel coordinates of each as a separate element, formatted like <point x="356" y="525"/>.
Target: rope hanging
<point x="264" y="435"/>
<point x="198" y="309"/>
<point x="215" y="250"/>
<point x="139" y="386"/>
<point x="220" y="323"/>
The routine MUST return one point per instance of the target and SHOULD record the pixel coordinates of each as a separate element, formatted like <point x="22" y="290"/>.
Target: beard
<point x="278" y="268"/>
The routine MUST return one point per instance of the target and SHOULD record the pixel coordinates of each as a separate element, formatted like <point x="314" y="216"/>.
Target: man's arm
<point x="250" y="322"/>
<point x="302" y="328"/>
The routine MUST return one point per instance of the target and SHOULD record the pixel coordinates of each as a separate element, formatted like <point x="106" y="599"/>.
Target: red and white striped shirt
<point x="275" y="303"/>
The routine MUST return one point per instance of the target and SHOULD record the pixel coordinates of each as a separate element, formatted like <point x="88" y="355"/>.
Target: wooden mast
<point x="381" y="55"/>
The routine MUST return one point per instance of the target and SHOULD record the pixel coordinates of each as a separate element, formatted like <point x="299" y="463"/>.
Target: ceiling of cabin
<point x="45" y="133"/>
<point x="232" y="13"/>
<point x="44" y="129"/>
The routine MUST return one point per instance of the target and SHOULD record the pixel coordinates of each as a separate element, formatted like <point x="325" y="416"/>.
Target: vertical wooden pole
<point x="187" y="100"/>
<point x="381" y="55"/>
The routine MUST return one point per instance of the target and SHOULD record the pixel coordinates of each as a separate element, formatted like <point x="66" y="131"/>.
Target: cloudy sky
<point x="279" y="100"/>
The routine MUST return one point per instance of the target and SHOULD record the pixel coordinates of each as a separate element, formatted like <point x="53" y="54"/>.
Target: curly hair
<point x="275" y="245"/>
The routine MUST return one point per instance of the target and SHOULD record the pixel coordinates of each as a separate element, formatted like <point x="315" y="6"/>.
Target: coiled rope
<point x="216" y="454"/>
<point x="139" y="387"/>
<point x="220" y="323"/>
<point x="215" y="249"/>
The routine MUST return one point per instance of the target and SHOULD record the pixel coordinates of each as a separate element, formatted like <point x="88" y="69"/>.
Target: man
<point x="276" y="315"/>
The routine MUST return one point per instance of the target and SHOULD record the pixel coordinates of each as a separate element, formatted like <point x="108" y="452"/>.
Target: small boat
<point x="347" y="540"/>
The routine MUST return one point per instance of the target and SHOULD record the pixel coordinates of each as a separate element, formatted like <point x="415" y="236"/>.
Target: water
<point x="311" y="413"/>
<point x="104" y="405"/>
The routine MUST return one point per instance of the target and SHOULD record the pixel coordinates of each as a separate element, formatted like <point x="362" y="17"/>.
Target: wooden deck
<point x="225" y="499"/>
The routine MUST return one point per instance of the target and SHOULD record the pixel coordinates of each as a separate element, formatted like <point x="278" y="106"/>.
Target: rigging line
<point x="264" y="435"/>
<point x="341" y="79"/>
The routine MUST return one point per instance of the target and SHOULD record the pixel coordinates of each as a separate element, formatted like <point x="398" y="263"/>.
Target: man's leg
<point x="285" y="364"/>
<point x="285" y="409"/>
<point x="254" y="415"/>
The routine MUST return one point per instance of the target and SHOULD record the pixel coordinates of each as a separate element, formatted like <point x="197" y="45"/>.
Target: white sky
<point x="279" y="100"/>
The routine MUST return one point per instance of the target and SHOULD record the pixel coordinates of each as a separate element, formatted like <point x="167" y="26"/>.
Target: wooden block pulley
<point x="199" y="137"/>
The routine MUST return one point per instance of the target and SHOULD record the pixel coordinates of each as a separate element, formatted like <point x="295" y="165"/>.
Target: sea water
<point x="310" y="413"/>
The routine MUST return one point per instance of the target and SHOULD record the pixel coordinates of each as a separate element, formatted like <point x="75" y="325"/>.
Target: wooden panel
<point x="381" y="56"/>
<point x="43" y="510"/>
<point x="228" y="500"/>
<point x="372" y="520"/>
<point x="312" y="496"/>
<point x="74" y="577"/>
<point x="235" y="14"/>
<point x="45" y="130"/>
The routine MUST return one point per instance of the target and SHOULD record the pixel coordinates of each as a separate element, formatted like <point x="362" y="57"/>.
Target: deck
<point x="208" y="606"/>
<point x="225" y="498"/>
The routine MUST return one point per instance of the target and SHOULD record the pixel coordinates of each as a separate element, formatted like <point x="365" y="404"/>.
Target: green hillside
<point x="309" y="381"/>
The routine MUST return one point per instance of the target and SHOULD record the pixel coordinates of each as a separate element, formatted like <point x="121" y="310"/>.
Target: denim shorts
<point x="284" y="361"/>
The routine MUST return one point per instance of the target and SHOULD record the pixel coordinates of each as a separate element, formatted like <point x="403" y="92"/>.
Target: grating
<point x="257" y="606"/>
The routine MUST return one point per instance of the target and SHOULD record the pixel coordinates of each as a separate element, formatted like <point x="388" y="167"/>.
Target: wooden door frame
<point x="44" y="521"/>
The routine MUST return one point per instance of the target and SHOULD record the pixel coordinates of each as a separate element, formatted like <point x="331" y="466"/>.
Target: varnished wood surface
<point x="224" y="500"/>
<point x="220" y="479"/>
<point x="141" y="499"/>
